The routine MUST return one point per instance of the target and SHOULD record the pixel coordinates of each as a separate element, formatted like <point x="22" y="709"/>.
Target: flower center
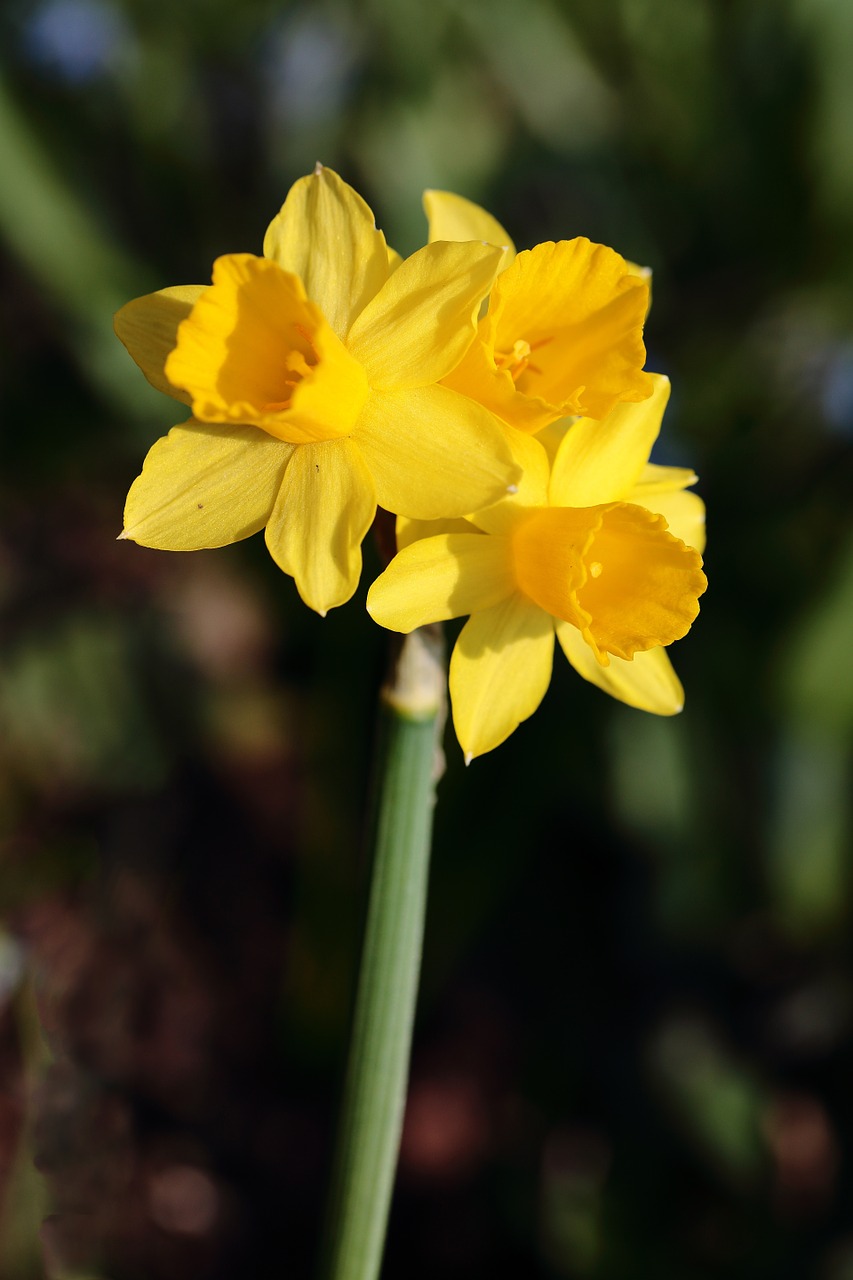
<point x="255" y="350"/>
<point x="297" y="366"/>
<point x="517" y="361"/>
<point x="613" y="571"/>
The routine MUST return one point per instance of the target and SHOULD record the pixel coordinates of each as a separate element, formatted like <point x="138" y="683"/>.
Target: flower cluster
<point x="495" y="402"/>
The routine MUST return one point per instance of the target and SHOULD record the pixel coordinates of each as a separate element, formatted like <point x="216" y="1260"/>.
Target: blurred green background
<point x="633" y="1055"/>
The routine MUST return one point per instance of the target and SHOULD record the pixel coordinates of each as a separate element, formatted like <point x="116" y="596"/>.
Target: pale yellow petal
<point x="409" y="531"/>
<point x="647" y="681"/>
<point x="205" y="486"/>
<point x="552" y="436"/>
<point x="324" y="509"/>
<point x="433" y="453"/>
<point x="452" y="217"/>
<point x="655" y="479"/>
<point x="424" y="319"/>
<point x="530" y="490"/>
<point x="439" y="578"/>
<point x="326" y="235"/>
<point x="601" y="461"/>
<point x="499" y="672"/>
<point x="148" y="327"/>
<point x="683" y="512"/>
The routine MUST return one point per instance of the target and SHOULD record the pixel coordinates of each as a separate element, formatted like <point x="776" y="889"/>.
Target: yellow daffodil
<point x="563" y="331"/>
<point x="601" y="548"/>
<point x="311" y="373"/>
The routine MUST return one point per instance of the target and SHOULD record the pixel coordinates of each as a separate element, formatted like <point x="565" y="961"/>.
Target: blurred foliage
<point x="634" y="1052"/>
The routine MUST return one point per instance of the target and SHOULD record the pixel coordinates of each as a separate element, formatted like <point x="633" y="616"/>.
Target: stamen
<point x="297" y="368"/>
<point x="305" y="334"/>
<point x="517" y="361"/>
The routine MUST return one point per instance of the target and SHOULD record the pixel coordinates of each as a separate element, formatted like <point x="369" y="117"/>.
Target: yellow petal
<point x="530" y="490"/>
<point x="602" y="461"/>
<point x="324" y="509"/>
<point x="683" y="512"/>
<point x="424" y="319"/>
<point x="255" y="350"/>
<point x="409" y="531"/>
<point x="660" y="489"/>
<point x="441" y="577"/>
<point x="565" y="325"/>
<point x="326" y="235"/>
<point x="432" y="453"/>
<point x="552" y="436"/>
<point x="655" y="479"/>
<point x="647" y="681"/>
<point x="204" y="486"/>
<point x="148" y="327"/>
<point x="500" y="670"/>
<point x="452" y="217"/>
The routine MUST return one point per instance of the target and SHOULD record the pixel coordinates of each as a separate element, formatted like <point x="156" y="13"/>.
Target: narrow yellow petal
<point x="205" y="486"/>
<point x="683" y="512"/>
<point x="432" y="453"/>
<point x="500" y="670"/>
<point x="441" y="577"/>
<point x="647" y="681"/>
<point x="148" y="327"/>
<point x="452" y="217"/>
<point x="602" y="461"/>
<point x="552" y="436"/>
<point x="530" y="490"/>
<point x="424" y="319"/>
<point x="324" y="509"/>
<point x="326" y="235"/>
<point x="655" y="479"/>
<point x="409" y="531"/>
<point x="254" y="349"/>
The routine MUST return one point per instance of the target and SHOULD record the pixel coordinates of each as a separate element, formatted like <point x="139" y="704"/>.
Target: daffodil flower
<point x="602" y="548"/>
<point x="563" y="331"/>
<point x="311" y="373"/>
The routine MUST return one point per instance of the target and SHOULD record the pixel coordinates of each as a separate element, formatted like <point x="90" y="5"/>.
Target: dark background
<point x="633" y="1053"/>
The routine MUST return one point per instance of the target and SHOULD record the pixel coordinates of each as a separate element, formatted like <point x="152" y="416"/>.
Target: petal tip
<point x="468" y="758"/>
<point x="318" y="168"/>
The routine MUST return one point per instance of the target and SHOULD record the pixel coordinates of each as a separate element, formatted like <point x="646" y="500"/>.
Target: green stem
<point x="377" y="1072"/>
